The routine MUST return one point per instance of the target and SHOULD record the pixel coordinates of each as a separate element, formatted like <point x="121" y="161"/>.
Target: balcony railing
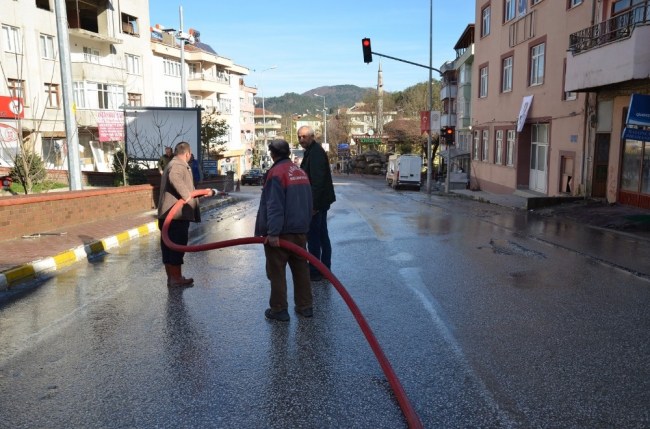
<point x="616" y="28"/>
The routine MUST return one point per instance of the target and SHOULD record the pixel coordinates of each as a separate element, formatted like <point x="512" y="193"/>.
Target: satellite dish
<point x="371" y="132"/>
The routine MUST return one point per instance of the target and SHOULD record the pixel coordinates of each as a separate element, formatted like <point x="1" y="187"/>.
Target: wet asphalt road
<point x="490" y="318"/>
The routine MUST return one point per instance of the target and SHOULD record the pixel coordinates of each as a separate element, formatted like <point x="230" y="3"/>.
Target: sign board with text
<point x="110" y="125"/>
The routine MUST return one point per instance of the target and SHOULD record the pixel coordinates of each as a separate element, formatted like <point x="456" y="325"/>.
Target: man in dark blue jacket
<point x="317" y="167"/>
<point x="285" y="213"/>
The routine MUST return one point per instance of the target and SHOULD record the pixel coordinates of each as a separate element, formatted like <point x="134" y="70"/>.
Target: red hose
<point x="409" y="412"/>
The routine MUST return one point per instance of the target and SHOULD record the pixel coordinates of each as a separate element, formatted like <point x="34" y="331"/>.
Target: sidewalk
<point x="25" y="258"/>
<point x="629" y="220"/>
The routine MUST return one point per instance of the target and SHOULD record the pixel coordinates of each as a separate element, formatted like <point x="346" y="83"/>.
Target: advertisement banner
<point x="424" y="122"/>
<point x="523" y="112"/>
<point x="110" y="125"/>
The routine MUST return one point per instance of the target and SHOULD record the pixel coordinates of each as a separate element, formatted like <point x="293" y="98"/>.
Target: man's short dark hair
<point x="279" y="147"/>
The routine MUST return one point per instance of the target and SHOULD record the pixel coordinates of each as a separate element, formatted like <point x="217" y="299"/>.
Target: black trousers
<point x="178" y="234"/>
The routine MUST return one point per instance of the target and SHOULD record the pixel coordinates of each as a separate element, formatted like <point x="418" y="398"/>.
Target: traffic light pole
<point x="408" y="62"/>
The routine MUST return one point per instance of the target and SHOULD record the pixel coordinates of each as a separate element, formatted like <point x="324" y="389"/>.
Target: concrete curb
<point x="33" y="269"/>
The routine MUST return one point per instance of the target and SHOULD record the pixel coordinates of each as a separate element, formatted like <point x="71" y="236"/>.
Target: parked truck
<point x="404" y="171"/>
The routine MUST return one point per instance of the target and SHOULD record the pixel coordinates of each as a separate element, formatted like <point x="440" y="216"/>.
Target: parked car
<point x="253" y="176"/>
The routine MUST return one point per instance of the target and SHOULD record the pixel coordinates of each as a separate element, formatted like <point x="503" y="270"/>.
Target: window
<point x="173" y="99"/>
<point x="11" y="39"/>
<point x="43" y="4"/>
<point x="17" y="89"/>
<point x="91" y="55"/>
<point x="485" y="21"/>
<point x="619" y="6"/>
<point x="534" y="2"/>
<point x="485" y="148"/>
<point x="573" y="3"/>
<point x="79" y="95"/>
<point x="465" y="74"/>
<point x="130" y="25"/>
<point x="506" y="78"/>
<point x="104" y="96"/>
<point x="510" y="148"/>
<point x="52" y="96"/>
<point x="132" y="64"/>
<point x="47" y="47"/>
<point x="483" y="82"/>
<point x="171" y="67"/>
<point x="135" y="99"/>
<point x="537" y="64"/>
<point x="509" y="10"/>
<point x="498" y="147"/>
<point x="475" y="150"/>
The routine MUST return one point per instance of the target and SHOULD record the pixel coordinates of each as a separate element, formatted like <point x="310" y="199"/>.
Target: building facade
<point x="609" y="59"/>
<point x="118" y="60"/>
<point x="528" y="132"/>
<point x="109" y="53"/>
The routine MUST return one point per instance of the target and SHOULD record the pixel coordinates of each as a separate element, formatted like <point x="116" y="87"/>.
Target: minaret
<point x="380" y="102"/>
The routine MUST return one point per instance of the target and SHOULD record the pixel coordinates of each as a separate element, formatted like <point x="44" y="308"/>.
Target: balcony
<point x="449" y="91"/>
<point x="448" y="120"/>
<point x="93" y="37"/>
<point x="611" y="52"/>
<point x="207" y="84"/>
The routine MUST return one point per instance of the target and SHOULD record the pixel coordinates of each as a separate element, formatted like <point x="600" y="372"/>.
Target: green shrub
<point x="28" y="170"/>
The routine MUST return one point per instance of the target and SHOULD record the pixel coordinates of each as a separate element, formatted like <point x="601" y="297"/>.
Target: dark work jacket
<point x="317" y="167"/>
<point x="286" y="202"/>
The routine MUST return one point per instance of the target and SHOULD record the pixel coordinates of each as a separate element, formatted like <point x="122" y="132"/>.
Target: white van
<point x="404" y="171"/>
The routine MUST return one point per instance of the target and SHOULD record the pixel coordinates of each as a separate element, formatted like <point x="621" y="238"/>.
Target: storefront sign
<point x="639" y="110"/>
<point x="210" y="167"/>
<point x="11" y="108"/>
<point x="636" y="134"/>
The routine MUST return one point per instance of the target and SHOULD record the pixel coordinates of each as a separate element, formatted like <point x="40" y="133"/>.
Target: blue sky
<point x="319" y="43"/>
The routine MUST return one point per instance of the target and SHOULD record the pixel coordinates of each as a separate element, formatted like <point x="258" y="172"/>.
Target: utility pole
<point x="71" y="135"/>
<point x="182" y="40"/>
<point x="429" y="161"/>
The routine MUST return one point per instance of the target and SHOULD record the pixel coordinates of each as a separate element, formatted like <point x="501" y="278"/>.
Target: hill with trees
<point x="407" y="103"/>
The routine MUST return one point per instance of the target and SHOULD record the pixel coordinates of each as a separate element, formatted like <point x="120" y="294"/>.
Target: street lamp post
<point x="324" y="119"/>
<point x="264" y="108"/>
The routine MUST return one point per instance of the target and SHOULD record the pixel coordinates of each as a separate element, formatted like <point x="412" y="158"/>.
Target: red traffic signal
<point x="448" y="133"/>
<point x="367" y="50"/>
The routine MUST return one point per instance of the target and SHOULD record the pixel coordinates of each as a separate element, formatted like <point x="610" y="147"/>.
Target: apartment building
<point x="109" y="52"/>
<point x="117" y="59"/>
<point x="463" y="128"/>
<point x="213" y="82"/>
<point x="528" y="132"/>
<point x="609" y="58"/>
<point x="268" y="126"/>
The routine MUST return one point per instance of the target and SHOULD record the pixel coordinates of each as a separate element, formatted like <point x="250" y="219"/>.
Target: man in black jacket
<point x="317" y="167"/>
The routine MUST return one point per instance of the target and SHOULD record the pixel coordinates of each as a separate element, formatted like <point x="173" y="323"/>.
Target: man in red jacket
<point x="285" y="213"/>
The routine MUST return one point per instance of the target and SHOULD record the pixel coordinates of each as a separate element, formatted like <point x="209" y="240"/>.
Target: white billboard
<point x="149" y="129"/>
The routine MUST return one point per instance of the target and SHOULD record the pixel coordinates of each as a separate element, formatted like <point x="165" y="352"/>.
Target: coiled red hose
<point x="411" y="416"/>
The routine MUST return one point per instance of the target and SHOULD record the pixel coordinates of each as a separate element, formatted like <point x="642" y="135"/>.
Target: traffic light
<point x="448" y="133"/>
<point x="367" y="50"/>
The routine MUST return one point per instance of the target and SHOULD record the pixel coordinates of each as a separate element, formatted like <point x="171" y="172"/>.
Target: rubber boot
<point x="175" y="278"/>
